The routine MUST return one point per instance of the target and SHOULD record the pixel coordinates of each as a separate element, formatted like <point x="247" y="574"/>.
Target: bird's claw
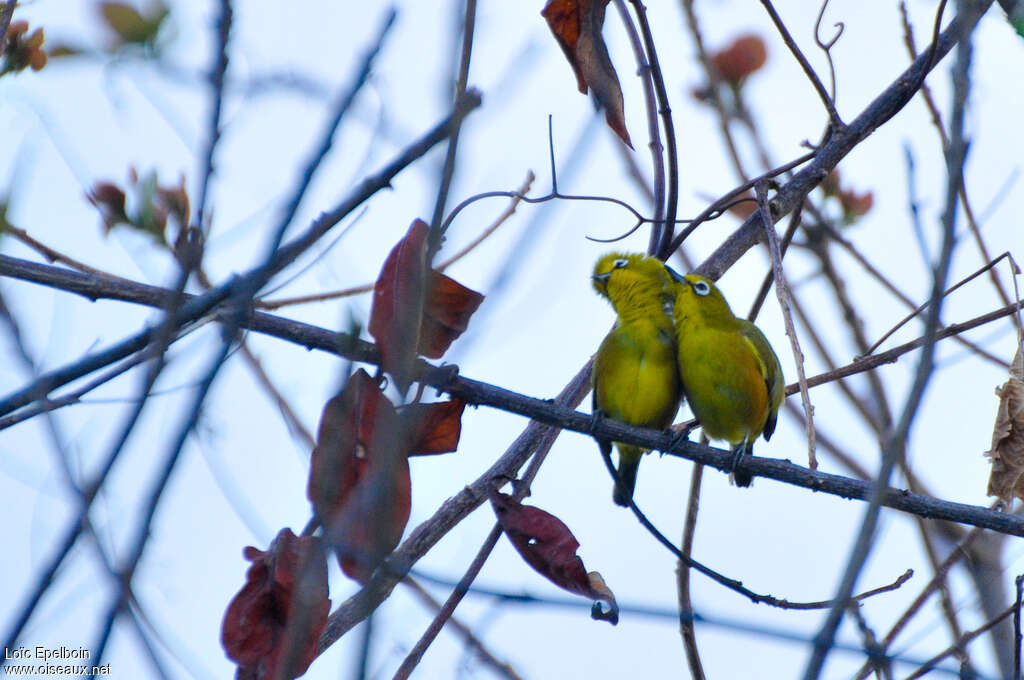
<point x="681" y="433"/>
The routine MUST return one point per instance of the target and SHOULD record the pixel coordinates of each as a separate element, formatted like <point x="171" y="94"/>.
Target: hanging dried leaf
<point x="369" y="524"/>
<point x="416" y="309"/>
<point x="1007" y="477"/>
<point x="272" y="626"/>
<point x="435" y="428"/>
<point x="398" y="303"/>
<point x="347" y="427"/>
<point x="446" y="314"/>
<point x="576" y="25"/>
<point x="548" y="546"/>
<point x="359" y="477"/>
<point x="359" y="480"/>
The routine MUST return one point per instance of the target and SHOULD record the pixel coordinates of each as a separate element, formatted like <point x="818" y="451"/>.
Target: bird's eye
<point x="619" y="264"/>
<point x="701" y="288"/>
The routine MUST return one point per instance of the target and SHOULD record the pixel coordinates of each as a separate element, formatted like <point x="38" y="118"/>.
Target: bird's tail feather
<point x="625" y="478"/>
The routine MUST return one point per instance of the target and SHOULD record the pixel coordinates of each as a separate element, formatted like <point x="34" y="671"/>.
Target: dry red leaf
<point x="1007" y="453"/>
<point x="576" y="25"/>
<point x="398" y="303"/>
<point x="435" y="428"/>
<point x="370" y="522"/>
<point x="547" y="545"/>
<point x="272" y="626"/>
<point x="359" y="480"/>
<point x="416" y="309"/>
<point x="346" y="432"/>
<point x="446" y="314"/>
<point x="738" y="60"/>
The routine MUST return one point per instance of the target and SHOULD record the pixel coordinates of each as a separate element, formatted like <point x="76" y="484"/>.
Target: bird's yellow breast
<point x="723" y="381"/>
<point x="635" y="378"/>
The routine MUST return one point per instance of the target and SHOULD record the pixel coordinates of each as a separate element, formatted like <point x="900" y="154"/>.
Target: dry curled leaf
<point x="359" y="480"/>
<point x="272" y="626"/>
<point x="446" y="314"/>
<point x="547" y="545"/>
<point x="1007" y="453"/>
<point x="576" y="25"/>
<point x="416" y="310"/>
<point x="434" y="428"/>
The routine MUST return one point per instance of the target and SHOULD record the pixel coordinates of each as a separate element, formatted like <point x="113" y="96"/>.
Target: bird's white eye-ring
<point x="620" y="263"/>
<point x="701" y="288"/>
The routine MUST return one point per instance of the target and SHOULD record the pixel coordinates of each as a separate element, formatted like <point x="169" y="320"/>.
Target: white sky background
<point x="243" y="477"/>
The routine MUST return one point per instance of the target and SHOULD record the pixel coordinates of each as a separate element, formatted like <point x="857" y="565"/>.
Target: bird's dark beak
<point x="676" y="275"/>
<point x="602" y="278"/>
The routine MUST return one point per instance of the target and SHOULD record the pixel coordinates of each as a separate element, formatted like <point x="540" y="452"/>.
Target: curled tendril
<point x="826" y="47"/>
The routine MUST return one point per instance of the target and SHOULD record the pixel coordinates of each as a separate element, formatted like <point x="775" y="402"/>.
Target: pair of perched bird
<point x="675" y="336"/>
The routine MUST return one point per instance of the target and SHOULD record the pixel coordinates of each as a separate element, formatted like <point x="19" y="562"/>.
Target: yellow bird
<point x="635" y="377"/>
<point x="730" y="373"/>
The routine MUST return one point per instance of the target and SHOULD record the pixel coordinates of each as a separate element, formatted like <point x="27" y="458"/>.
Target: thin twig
<point x="448" y="608"/>
<point x="644" y="70"/>
<point x="448" y="171"/>
<point x="940" y="128"/>
<point x="472" y="642"/>
<point x="769" y="278"/>
<point x="962" y="643"/>
<point x="500" y="220"/>
<point x="960" y="551"/>
<point x="784" y="296"/>
<point x="880" y="663"/>
<point x="672" y="196"/>
<point x="686" y="616"/>
<point x="835" y="123"/>
<point x="945" y="598"/>
<point x="826" y="47"/>
<point x="926" y="92"/>
<point x="216" y="80"/>
<point x="923" y="307"/>
<point x="53" y="255"/>
<point x="899" y="294"/>
<point x="1017" y="636"/>
<point x="341" y="107"/>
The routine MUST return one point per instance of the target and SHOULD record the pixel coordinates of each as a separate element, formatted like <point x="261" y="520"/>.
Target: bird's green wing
<point x="768" y="362"/>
